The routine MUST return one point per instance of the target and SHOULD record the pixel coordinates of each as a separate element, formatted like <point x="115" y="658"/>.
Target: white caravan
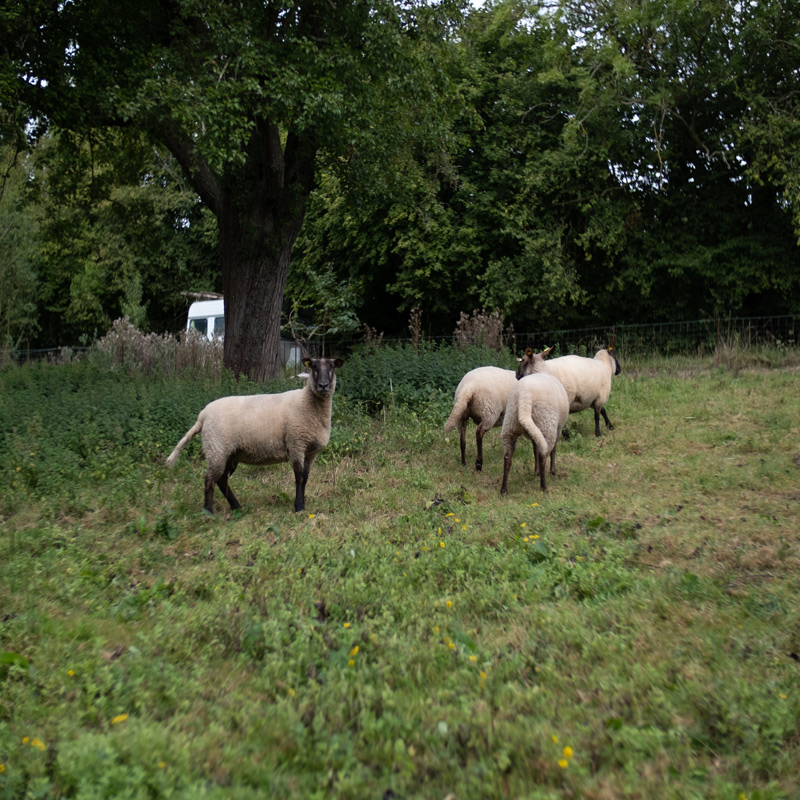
<point x="208" y="317"/>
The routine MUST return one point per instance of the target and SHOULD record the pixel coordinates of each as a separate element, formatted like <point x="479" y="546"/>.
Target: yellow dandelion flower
<point x="440" y="531"/>
<point x="26" y="739"/>
<point x="347" y="624"/>
<point x="567" y="752"/>
<point x="441" y="544"/>
<point x="119" y="718"/>
<point x="554" y="738"/>
<point x="533" y="505"/>
<point x="473" y="659"/>
<point x="456" y="519"/>
<point x="436" y="629"/>
<point x="311" y="516"/>
<point x="70" y="672"/>
<point x="563" y="763"/>
<point x="525" y="539"/>
<point x="351" y="663"/>
<point x="291" y="692"/>
<point x="450" y="514"/>
<point x="162" y="764"/>
<point x="463" y="527"/>
<point x="451" y="645"/>
<point x="784" y="696"/>
<point x="354" y="652"/>
<point x="483" y="675"/>
<point x="535" y="536"/>
<point x="522" y="524"/>
<point x="38" y="743"/>
<point x="449" y="603"/>
<point x="2" y="768"/>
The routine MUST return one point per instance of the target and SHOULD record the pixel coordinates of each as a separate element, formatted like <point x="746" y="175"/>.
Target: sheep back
<point x="587" y="380"/>
<point x="264" y="428"/>
<point x="537" y="408"/>
<point x="481" y="396"/>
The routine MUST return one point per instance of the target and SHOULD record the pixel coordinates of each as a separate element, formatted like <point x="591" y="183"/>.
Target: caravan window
<point x="199" y="324"/>
<point x="219" y="326"/>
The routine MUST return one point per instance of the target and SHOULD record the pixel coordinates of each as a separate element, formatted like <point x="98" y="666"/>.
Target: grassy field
<point x="632" y="633"/>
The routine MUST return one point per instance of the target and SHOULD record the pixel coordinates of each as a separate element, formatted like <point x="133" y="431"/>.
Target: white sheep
<point x="481" y="396"/>
<point x="537" y="408"/>
<point x="290" y="426"/>
<point x="587" y="381"/>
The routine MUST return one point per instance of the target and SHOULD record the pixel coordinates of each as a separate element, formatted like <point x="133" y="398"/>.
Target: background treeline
<point x="598" y="163"/>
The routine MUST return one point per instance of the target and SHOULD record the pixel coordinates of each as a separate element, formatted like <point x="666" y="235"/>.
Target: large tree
<point x="246" y="95"/>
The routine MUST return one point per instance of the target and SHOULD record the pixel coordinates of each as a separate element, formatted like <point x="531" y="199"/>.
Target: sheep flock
<point x="294" y="426"/>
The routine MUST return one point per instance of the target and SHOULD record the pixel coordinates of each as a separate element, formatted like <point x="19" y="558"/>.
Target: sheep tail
<point x="525" y="416"/>
<point x="459" y="411"/>
<point x="193" y="431"/>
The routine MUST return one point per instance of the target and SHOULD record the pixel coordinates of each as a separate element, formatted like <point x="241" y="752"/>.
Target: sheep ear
<point x="520" y="360"/>
<point x="338" y="362"/>
<point x="547" y="352"/>
<point x="307" y="362"/>
<point x="529" y="352"/>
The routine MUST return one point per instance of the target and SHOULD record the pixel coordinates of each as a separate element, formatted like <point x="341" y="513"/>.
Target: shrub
<point x="402" y="376"/>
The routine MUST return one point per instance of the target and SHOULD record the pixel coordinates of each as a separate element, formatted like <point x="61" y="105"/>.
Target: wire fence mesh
<point x="662" y="338"/>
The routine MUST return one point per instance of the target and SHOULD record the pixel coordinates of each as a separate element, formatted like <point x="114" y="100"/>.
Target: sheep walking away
<point x="290" y="426"/>
<point x="587" y="381"/>
<point x="537" y="408"/>
<point x="481" y="396"/>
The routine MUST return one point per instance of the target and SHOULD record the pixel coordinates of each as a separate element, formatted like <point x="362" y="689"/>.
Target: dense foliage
<point x="574" y="164"/>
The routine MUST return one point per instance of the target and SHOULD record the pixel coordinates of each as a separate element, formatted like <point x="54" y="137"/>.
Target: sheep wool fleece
<point x="291" y="426"/>
<point x="538" y="408"/>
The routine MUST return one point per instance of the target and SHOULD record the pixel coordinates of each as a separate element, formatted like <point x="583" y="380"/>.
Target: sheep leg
<point x="597" y="413"/>
<point x="507" y="458"/>
<point x="541" y="460"/>
<point x="300" y="480"/>
<point x="227" y="493"/>
<point x="301" y="470"/>
<point x="553" y="460"/>
<point x="209" y="488"/>
<point x="462" y="432"/>
<point x="480" y="432"/>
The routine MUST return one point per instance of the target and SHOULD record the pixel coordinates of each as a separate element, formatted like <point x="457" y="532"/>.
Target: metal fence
<point x="664" y="338"/>
<point x="670" y="338"/>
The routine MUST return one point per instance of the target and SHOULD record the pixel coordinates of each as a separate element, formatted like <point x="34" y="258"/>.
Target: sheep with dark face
<point x="481" y="396"/>
<point x="587" y="381"/>
<point x="290" y="426"/>
<point x="537" y="409"/>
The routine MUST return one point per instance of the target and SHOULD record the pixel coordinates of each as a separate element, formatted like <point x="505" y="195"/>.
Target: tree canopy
<point x="567" y="163"/>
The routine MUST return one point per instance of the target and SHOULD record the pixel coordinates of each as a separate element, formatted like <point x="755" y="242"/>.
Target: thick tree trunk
<point x="254" y="272"/>
<point x="259" y="208"/>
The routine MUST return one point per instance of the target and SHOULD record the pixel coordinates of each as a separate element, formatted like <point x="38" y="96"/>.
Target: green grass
<point x="414" y="634"/>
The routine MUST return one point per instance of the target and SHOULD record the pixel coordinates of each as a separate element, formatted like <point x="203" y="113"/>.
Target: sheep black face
<point x="532" y="362"/>
<point x="323" y="377"/>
